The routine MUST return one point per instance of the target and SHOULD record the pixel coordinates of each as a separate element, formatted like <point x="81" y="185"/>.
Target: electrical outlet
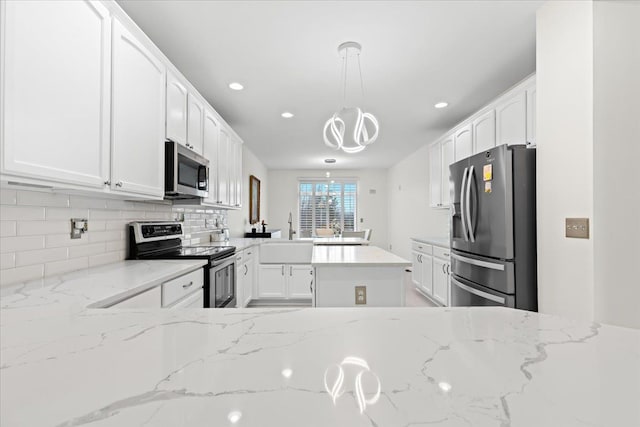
<point x="577" y="228"/>
<point x="361" y="295"/>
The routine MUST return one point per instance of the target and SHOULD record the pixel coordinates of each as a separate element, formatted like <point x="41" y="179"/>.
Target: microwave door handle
<point x="468" y="206"/>
<point x="462" y="206"/>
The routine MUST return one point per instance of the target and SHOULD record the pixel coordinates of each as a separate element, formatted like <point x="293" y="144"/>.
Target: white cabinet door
<point x="56" y="87"/>
<point x="427" y="274"/>
<point x="435" y="175"/>
<point x="176" y="110"/>
<point x="416" y="269"/>
<point x="138" y="115"/>
<point x="247" y="281"/>
<point x="484" y="131"/>
<point x="231" y="161"/>
<point x="211" y="135"/>
<point x="531" y="116"/>
<point x="195" y="119"/>
<point x="300" y="281"/>
<point x="440" y="281"/>
<point x="223" y="168"/>
<point x="511" y="120"/>
<point x="237" y="172"/>
<point x="272" y="281"/>
<point x="447" y="160"/>
<point x="463" y="143"/>
<point x="148" y="299"/>
<point x="239" y="283"/>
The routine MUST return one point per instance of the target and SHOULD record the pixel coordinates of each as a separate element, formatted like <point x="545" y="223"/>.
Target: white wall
<point x="564" y="156"/>
<point x="616" y="151"/>
<point x="238" y="220"/>
<point x="408" y="204"/>
<point x="372" y="208"/>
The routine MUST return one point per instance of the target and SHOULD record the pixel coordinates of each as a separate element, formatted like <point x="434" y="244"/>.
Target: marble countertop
<point x="355" y="256"/>
<point x="443" y="242"/>
<point x="315" y="367"/>
<point x="94" y="287"/>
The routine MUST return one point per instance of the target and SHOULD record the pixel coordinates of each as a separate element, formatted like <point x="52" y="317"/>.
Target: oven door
<point x="222" y="277"/>
<point x="465" y="293"/>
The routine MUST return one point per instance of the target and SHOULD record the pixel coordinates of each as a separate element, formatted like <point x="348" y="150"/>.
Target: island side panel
<point x="336" y="286"/>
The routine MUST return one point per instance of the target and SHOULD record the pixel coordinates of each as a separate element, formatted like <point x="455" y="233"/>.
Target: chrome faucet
<point x="291" y="231"/>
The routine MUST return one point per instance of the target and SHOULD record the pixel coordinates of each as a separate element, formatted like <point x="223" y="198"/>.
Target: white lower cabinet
<point x="285" y="281"/>
<point x="431" y="271"/>
<point x="245" y="277"/>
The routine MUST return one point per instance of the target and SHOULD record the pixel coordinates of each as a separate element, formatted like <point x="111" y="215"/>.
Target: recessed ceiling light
<point x="235" y="86"/>
<point x="287" y="115"/>
<point x="441" y="104"/>
<point x="329" y="161"/>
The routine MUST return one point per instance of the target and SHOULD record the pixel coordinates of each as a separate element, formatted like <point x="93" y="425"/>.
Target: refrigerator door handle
<point x="468" y="206"/>
<point x="462" y="205"/>
<point x="477" y="262"/>
<point x="478" y="292"/>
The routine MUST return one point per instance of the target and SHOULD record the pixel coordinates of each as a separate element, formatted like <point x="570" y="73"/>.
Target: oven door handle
<point x="478" y="292"/>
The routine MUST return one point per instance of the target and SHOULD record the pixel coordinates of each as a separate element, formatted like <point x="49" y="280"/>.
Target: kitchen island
<point x="313" y="367"/>
<point x="360" y="276"/>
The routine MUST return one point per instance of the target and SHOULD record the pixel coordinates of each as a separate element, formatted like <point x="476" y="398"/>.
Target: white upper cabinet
<point x="176" y="109"/>
<point x="531" y="116"/>
<point x="448" y="152"/>
<point x="236" y="173"/>
<point x="484" y="131"/>
<point x="511" y="119"/>
<point x="56" y="86"/>
<point x="211" y="136"/>
<point x="435" y="167"/>
<point x="463" y="143"/>
<point x="223" y="167"/>
<point x="138" y="116"/>
<point x="195" y="128"/>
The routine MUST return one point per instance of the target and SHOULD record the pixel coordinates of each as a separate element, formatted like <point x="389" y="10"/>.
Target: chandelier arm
<point x="361" y="81"/>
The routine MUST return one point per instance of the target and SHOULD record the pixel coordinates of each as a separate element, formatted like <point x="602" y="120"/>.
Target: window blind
<point x="326" y="203"/>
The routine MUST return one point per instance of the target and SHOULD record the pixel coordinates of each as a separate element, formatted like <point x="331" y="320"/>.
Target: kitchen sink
<point x="286" y="253"/>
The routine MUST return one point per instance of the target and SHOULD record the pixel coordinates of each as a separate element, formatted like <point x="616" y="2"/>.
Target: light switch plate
<point x="577" y="228"/>
<point x="361" y="295"/>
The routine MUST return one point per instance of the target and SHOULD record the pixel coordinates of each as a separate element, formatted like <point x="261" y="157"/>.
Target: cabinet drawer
<point x="421" y="247"/>
<point x="441" y="252"/>
<point x="178" y="288"/>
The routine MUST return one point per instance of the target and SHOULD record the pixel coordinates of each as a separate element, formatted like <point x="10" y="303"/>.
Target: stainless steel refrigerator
<point x="493" y="229"/>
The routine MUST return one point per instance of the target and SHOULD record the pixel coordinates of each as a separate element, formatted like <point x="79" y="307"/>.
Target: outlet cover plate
<point x="577" y="228"/>
<point x="361" y="295"/>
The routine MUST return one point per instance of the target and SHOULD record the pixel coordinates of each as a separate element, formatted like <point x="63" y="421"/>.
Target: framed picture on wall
<point x="254" y="199"/>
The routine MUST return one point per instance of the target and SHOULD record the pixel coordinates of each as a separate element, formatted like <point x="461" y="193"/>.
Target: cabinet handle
<point x="248" y="253"/>
<point x="119" y="184"/>
<point x="107" y="182"/>
<point x="311" y="286"/>
<point x="291" y="270"/>
<point x="446" y="254"/>
<point x="444" y="271"/>
<point x="246" y="269"/>
<point x="188" y="285"/>
<point x="283" y="270"/>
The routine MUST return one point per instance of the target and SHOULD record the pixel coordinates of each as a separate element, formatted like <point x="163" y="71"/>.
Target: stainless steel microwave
<point x="186" y="173"/>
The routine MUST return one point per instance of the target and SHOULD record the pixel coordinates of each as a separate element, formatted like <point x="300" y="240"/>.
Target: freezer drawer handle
<point x="477" y="262"/>
<point x="479" y="293"/>
<point x="464" y="221"/>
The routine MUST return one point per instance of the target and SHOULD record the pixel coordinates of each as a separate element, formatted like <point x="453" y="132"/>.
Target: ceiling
<point x="285" y="54"/>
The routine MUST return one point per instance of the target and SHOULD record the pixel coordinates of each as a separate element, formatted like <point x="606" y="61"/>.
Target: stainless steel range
<point x="163" y="240"/>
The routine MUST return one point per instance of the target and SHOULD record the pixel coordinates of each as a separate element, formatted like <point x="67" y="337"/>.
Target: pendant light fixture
<point x="365" y="124"/>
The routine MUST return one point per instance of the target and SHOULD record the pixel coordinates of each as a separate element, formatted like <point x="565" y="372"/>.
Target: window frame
<point x="328" y="181"/>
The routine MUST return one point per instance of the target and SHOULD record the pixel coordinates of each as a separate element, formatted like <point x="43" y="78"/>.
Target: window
<point x="323" y="203"/>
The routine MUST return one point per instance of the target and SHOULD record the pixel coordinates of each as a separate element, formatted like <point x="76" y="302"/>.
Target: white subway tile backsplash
<point x="21" y="243"/>
<point x="106" y="258"/>
<point x="7" y="228"/>
<point x="104" y="236"/>
<point x="7" y="260"/>
<point x="65" y="213"/>
<point x="8" y="197"/>
<point x="59" y="267"/>
<point x="21" y="274"/>
<point x="36" y="228"/>
<point x="60" y="240"/>
<point x="87" y="202"/>
<point x="25" y="213"/>
<point x="40" y="256"/>
<point x="87" y="250"/>
<point x="39" y="198"/>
